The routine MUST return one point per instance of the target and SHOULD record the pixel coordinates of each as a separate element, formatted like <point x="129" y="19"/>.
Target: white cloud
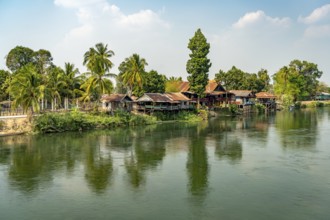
<point x="258" y="17"/>
<point x="317" y="15"/>
<point x="317" y="31"/>
<point x="76" y="3"/>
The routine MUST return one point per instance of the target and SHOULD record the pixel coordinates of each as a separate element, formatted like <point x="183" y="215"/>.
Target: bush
<point x="233" y="108"/>
<point x="260" y="107"/>
<point x="287" y="101"/>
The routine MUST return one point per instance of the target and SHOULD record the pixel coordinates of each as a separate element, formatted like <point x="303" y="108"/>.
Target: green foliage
<point x="19" y="57"/>
<point x="189" y="116"/>
<point x="299" y="79"/>
<point x="4" y="83"/>
<point x="97" y="61"/>
<point x="78" y="121"/>
<point x="260" y="107"/>
<point x="198" y="65"/>
<point x="173" y="84"/>
<point x="132" y="73"/>
<point x="315" y="104"/>
<point x="287" y="101"/>
<point x="236" y="79"/>
<point x="27" y="88"/>
<point x="233" y="108"/>
<point x="153" y="83"/>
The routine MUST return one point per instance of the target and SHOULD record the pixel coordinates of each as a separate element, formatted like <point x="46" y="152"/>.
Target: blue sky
<point x="250" y="34"/>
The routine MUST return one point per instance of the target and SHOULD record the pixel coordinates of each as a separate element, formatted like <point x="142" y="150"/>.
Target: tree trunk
<point x="198" y="104"/>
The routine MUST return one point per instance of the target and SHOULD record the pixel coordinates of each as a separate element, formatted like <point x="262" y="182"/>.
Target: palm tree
<point x="27" y="88"/>
<point x="133" y="71"/>
<point x="73" y="82"/>
<point x="56" y="84"/>
<point x="97" y="61"/>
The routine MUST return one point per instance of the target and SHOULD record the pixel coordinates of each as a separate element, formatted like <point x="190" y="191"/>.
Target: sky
<point x="250" y="35"/>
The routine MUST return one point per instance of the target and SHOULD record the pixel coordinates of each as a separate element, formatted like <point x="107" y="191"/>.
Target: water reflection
<point x="197" y="163"/>
<point x="297" y="129"/>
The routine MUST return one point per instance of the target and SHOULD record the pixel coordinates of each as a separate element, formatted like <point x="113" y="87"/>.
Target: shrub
<point x="260" y="107"/>
<point x="233" y="108"/>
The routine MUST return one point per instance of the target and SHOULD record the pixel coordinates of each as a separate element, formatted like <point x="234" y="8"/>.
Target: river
<point x="257" y="167"/>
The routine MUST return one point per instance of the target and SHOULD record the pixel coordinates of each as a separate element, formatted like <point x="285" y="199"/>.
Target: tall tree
<point x="133" y="71"/>
<point x="43" y="60"/>
<point x="27" y="88"/>
<point x="198" y="65"/>
<point x="97" y="61"/>
<point x="19" y="57"/>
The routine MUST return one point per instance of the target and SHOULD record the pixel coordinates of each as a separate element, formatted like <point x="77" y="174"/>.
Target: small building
<point x="242" y="97"/>
<point x="115" y="102"/>
<point x="322" y="96"/>
<point x="150" y="102"/>
<point x="215" y="94"/>
<point x="267" y="99"/>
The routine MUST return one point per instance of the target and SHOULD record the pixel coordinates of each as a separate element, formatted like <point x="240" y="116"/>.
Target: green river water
<point x="258" y="167"/>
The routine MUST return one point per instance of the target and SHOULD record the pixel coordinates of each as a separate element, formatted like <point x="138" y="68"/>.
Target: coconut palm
<point x="27" y="88"/>
<point x="73" y="83"/>
<point x="55" y="82"/>
<point x="133" y="71"/>
<point x="97" y="61"/>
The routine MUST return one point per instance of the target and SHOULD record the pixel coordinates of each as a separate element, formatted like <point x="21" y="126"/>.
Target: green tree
<point x="43" y="60"/>
<point x="97" y="61"/>
<point x="232" y="79"/>
<point x="153" y="83"/>
<point x="19" y="57"/>
<point x="72" y="83"/>
<point x="27" y="88"/>
<point x="299" y="79"/>
<point x="55" y="85"/>
<point x="198" y="65"/>
<point x="173" y="84"/>
<point x="4" y="78"/>
<point x="133" y="72"/>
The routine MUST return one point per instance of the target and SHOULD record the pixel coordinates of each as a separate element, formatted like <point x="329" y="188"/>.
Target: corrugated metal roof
<point x="154" y="97"/>
<point x="242" y="93"/>
<point x="184" y="86"/>
<point x="265" y="95"/>
<point x="209" y="88"/>
<point x="115" y="98"/>
<point x="177" y="96"/>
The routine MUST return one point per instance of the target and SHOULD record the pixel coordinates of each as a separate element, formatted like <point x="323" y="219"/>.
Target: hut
<point x="115" y="102"/>
<point x="150" y="102"/>
<point x="242" y="97"/>
<point x="322" y="96"/>
<point x="267" y="99"/>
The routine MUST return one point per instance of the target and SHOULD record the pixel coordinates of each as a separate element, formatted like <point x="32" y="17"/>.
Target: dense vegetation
<point x="78" y="121"/>
<point x="33" y="81"/>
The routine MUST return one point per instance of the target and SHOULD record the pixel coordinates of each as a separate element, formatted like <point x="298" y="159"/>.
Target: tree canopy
<point x="240" y="80"/>
<point x="299" y="79"/>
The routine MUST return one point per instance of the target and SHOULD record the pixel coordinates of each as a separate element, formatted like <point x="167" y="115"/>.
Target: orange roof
<point x="265" y="95"/>
<point x="184" y="86"/>
<point x="115" y="97"/>
<point x="242" y="93"/>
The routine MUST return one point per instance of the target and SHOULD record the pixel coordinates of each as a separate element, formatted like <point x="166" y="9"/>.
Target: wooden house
<point x="267" y="99"/>
<point x="215" y="94"/>
<point x="242" y="97"/>
<point x="150" y="102"/>
<point x="115" y="102"/>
